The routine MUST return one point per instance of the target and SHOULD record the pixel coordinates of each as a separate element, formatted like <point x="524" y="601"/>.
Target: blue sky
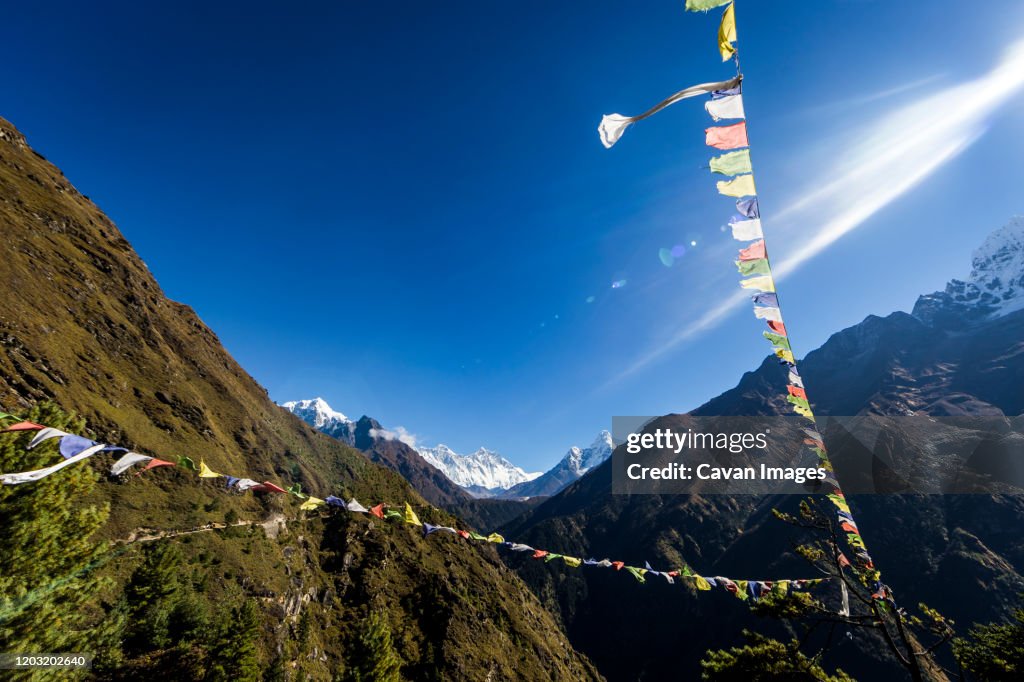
<point x="404" y="207"/>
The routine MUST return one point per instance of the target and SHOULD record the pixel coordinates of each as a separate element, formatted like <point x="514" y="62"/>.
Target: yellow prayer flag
<point x="410" y="516"/>
<point x="727" y="32"/>
<point x="740" y="186"/>
<point x="494" y="537"/>
<point x="762" y="282"/>
<point x="311" y="503"/>
<point x="702" y="584"/>
<point x="572" y="561"/>
<point x="207" y="472"/>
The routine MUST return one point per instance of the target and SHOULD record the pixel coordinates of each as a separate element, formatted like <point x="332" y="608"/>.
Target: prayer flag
<point x="539" y="553"/>
<point x="296" y="490"/>
<point x="126" y="461"/>
<point x="727" y="137"/>
<point x="754" y="267"/>
<point x="748" y="208"/>
<point x="476" y="536"/>
<point x="730" y="106"/>
<point x="45" y="434"/>
<point x="378" y="511"/>
<point x="777" y="340"/>
<point x="772" y="314"/>
<point x="762" y="282"/>
<point x="410" y="516"/>
<point x="71" y="445"/>
<point x="551" y="556"/>
<point x="25" y="426"/>
<point x="572" y="561"/>
<point x="754" y="251"/>
<point x="740" y="186"/>
<point x="354" y="506"/>
<point x="334" y="501"/>
<point x="777" y="327"/>
<point x="269" y="487"/>
<point x="701" y="583"/>
<point x="785" y="356"/>
<point x="311" y="503"/>
<point x="794" y="378"/>
<point x="638" y="573"/>
<point x="799" y="393"/>
<point x="732" y="163"/>
<point x="392" y="514"/>
<point x="187" y="463"/>
<point x="745" y="230"/>
<point x="765" y="298"/>
<point x="617" y="565"/>
<point x="613" y="125"/>
<point x="727" y="32"/>
<point x="29" y="476"/>
<point x="494" y="537"/>
<point x="207" y="472"/>
<point x="702" y="5"/>
<point x="518" y="547"/>
<point x="154" y="463"/>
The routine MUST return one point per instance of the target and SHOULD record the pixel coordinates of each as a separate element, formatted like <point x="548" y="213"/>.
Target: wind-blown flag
<point x="311" y="503"/>
<point x="207" y="472"/>
<point x="725" y="107"/>
<point x="154" y="463"/>
<point x="638" y="573"/>
<point x="187" y="463"/>
<point x="754" y="251"/>
<point x="777" y="327"/>
<point x="732" y="163"/>
<point x="746" y="230"/>
<point x="410" y="516"/>
<point x="268" y="487"/>
<point x="613" y="125"/>
<point x="748" y="208"/>
<point x="772" y="314"/>
<point x="45" y="434"/>
<point x="766" y="298"/>
<point x="126" y="461"/>
<point x="378" y="511"/>
<point x="727" y="33"/>
<point x="354" y="506"/>
<point x="798" y="392"/>
<point x="740" y="186"/>
<point x="794" y="378"/>
<point x="753" y="267"/>
<point x="727" y="137"/>
<point x="572" y="561"/>
<point x="777" y="340"/>
<point x="702" y="5"/>
<point x="296" y="490"/>
<point x="24" y="426"/>
<point x="763" y="282"/>
<point x="71" y="445"/>
<point x="29" y="476"/>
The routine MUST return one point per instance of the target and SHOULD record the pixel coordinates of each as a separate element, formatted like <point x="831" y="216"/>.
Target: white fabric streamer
<point x="130" y="459"/>
<point x="29" y="476"/>
<point x="613" y="125"/>
<point x="46" y="434"/>
<point x="773" y="314"/>
<point x="726" y="107"/>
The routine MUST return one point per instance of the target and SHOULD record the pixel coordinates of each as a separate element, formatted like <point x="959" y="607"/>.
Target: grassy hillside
<point x="84" y="323"/>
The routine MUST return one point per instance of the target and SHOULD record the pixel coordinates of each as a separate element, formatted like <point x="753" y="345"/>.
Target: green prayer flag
<point x="187" y="463"/>
<point x="477" y="536"/>
<point x="4" y="415"/>
<point x="741" y="591"/>
<point x="393" y="514"/>
<point x="778" y="340"/>
<point x="550" y="556"/>
<point x="754" y="267"/>
<point x="296" y="490"/>
<point x="799" y="402"/>
<point x="702" y="5"/>
<point x="732" y="163"/>
<point x="781" y="587"/>
<point x="638" y="573"/>
<point x="686" y="571"/>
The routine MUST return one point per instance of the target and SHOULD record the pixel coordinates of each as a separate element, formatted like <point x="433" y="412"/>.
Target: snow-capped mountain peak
<point x="318" y="414"/>
<point x="482" y="469"/>
<point x="995" y="286"/>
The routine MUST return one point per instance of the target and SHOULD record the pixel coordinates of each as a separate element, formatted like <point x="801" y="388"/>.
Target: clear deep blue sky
<point x="404" y="207"/>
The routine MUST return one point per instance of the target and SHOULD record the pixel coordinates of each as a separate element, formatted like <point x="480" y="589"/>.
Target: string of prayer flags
<point x="727" y="33"/>
<point x="727" y="137"/>
<point x="732" y="163"/>
<point x="740" y="186"/>
<point x="746" y="230"/>
<point x="614" y="125"/>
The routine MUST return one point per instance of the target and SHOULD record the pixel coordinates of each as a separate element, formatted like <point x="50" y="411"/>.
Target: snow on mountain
<point x="577" y="462"/>
<point x="995" y="286"/>
<point x="483" y="470"/>
<point x="318" y="414"/>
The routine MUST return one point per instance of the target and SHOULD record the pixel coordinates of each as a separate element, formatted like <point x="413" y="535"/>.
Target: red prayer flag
<point x="539" y="553"/>
<point x="463" y="533"/>
<point x="777" y="327"/>
<point x="269" y="487"/>
<point x="154" y="463"/>
<point x="843" y="561"/>
<point x="753" y="252"/>
<point x="815" y="443"/>
<point x="25" y="426"/>
<point x="845" y="525"/>
<point x="617" y="565"/>
<point x="797" y="392"/>
<point x="727" y="137"/>
<point x="378" y="511"/>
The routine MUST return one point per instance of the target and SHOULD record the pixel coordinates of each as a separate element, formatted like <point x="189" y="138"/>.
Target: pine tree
<point x="152" y="595"/>
<point x="764" y="658"/>
<point x="994" y="651"/>
<point x="47" y="553"/>
<point x="376" y="660"/>
<point x="236" y="653"/>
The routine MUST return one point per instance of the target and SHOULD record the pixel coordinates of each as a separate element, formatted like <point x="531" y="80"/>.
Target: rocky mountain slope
<point x="960" y="353"/>
<point x="484" y="472"/>
<point x="577" y="462"/>
<point x="84" y="323"/>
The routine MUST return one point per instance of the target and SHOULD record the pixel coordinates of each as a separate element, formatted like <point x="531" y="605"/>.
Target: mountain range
<point x="960" y="352"/>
